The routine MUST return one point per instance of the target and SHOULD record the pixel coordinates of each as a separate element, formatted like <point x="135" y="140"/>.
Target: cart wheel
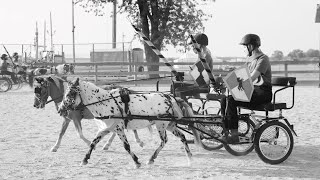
<point x="246" y="128"/>
<point x="16" y="86"/>
<point x="273" y="142"/>
<point x="4" y="85"/>
<point x="207" y="142"/>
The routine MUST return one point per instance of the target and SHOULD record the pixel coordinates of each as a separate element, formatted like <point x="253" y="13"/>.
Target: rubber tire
<point x="203" y="145"/>
<point x="6" y="83"/>
<point x="16" y="86"/>
<point x="257" y="142"/>
<point x="229" y="147"/>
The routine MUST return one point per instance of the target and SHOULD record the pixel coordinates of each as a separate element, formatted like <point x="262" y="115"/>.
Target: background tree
<point x="296" y="54"/>
<point x="312" y="53"/>
<point x="162" y="21"/>
<point x="277" y="55"/>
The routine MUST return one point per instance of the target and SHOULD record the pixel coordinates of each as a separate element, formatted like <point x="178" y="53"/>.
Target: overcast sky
<point x="282" y="24"/>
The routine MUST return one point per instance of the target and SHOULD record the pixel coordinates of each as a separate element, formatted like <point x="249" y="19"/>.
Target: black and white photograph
<point x="160" y="89"/>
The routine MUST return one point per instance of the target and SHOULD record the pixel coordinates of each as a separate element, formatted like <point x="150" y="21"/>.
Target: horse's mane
<point x="57" y="81"/>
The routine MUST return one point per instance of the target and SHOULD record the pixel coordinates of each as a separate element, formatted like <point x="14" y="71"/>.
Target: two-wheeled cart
<point x="270" y="136"/>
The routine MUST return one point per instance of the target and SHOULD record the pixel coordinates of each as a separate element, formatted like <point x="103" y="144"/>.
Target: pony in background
<point x="60" y="70"/>
<point x="111" y="106"/>
<point x="53" y="86"/>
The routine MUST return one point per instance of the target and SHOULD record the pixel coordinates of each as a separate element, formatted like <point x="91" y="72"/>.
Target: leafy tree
<point x="312" y="53"/>
<point x="277" y="55"/>
<point x="296" y="54"/>
<point x="162" y="21"/>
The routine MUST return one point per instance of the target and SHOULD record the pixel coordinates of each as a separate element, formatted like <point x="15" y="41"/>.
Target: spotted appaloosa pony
<point x="106" y="104"/>
<point x="54" y="87"/>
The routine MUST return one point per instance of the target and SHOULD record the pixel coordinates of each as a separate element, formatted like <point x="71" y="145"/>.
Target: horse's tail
<point x="177" y="110"/>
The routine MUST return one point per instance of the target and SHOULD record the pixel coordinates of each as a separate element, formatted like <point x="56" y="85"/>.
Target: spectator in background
<point x="4" y="68"/>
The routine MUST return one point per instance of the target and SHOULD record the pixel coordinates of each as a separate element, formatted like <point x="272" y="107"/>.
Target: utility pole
<point x="36" y="41"/>
<point x="114" y="25"/>
<point x="44" y="37"/>
<point x="73" y="41"/>
<point x="51" y="41"/>
<point x="317" y="20"/>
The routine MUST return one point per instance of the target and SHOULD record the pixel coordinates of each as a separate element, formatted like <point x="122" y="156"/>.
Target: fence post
<point x="319" y="73"/>
<point x="95" y="66"/>
<point x="22" y="53"/>
<point x="62" y="53"/>
<point x="286" y="69"/>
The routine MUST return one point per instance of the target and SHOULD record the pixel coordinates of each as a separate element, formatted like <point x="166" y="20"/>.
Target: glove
<point x="179" y="76"/>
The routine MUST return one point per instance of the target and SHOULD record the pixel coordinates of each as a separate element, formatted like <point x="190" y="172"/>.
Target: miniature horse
<point x="53" y="86"/>
<point x="109" y="105"/>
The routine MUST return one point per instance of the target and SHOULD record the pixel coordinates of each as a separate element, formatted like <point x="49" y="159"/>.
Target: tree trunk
<point x="151" y="56"/>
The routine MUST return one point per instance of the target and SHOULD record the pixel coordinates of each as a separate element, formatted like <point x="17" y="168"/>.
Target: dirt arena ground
<point x="27" y="135"/>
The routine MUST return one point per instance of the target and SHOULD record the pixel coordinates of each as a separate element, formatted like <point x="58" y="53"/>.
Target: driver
<point x="260" y="71"/>
<point x="186" y="89"/>
<point x="4" y="68"/>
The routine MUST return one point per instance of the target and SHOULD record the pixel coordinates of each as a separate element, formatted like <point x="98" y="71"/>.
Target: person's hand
<point x="179" y="76"/>
<point x="218" y="85"/>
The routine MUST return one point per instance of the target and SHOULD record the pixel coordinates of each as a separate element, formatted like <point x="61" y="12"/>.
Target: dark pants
<point x="259" y="96"/>
<point x="13" y="76"/>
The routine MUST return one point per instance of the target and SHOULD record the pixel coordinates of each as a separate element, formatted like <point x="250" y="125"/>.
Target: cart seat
<point x="267" y="107"/>
<point x="215" y="97"/>
<point x="284" y="83"/>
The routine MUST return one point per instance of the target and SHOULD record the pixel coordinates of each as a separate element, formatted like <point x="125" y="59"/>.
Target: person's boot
<point x="234" y="136"/>
<point x="231" y="137"/>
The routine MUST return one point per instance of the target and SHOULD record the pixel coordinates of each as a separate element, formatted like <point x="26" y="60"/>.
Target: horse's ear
<point x="38" y="79"/>
<point x="77" y="82"/>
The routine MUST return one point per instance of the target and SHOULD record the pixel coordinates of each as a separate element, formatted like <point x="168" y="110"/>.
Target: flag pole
<point x="73" y="41"/>
<point x="317" y="20"/>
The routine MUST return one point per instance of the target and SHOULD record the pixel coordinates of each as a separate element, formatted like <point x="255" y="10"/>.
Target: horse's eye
<point x="37" y="90"/>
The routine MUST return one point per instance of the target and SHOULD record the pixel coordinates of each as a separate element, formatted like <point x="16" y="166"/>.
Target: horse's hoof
<point x="54" y="149"/>
<point x="138" y="165"/>
<point x="84" y="162"/>
<point x="141" y="144"/>
<point x="105" y="148"/>
<point x="150" y="162"/>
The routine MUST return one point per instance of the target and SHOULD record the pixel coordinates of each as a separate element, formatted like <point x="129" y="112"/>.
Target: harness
<point x="124" y="95"/>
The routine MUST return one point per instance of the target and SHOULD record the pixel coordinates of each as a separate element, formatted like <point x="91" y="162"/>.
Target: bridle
<point x="46" y="86"/>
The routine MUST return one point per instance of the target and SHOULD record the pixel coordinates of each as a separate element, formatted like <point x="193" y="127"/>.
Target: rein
<point x="85" y="105"/>
<point x="54" y="99"/>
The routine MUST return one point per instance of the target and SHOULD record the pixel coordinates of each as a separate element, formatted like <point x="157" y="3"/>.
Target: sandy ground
<point x="27" y="135"/>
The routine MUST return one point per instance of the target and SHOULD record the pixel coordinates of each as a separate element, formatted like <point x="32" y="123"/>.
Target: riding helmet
<point x="201" y="38"/>
<point x="252" y="39"/>
<point x="4" y="56"/>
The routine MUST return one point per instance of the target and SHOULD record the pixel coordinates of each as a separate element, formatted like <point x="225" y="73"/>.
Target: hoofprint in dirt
<point x="27" y="135"/>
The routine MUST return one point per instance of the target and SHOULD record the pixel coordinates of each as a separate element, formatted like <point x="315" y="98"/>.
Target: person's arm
<point x="261" y="68"/>
<point x="255" y="74"/>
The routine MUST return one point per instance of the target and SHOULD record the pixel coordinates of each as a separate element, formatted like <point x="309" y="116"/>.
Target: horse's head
<point x="71" y="99"/>
<point x="41" y="92"/>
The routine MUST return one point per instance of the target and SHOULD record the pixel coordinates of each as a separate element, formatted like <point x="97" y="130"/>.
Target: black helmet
<point x="252" y="39"/>
<point x="4" y="56"/>
<point x="15" y="54"/>
<point x="201" y="38"/>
